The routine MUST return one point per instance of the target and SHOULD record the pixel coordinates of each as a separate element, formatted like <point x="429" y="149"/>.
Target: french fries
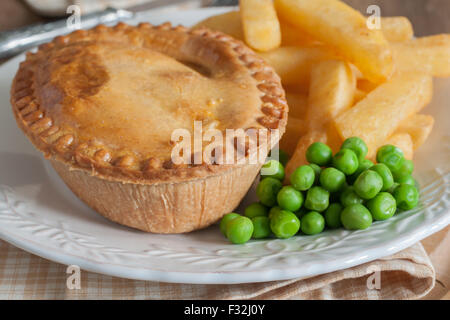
<point x="376" y="117"/>
<point x="296" y="126"/>
<point x="260" y="24"/>
<point x="228" y="22"/>
<point x="430" y="55"/>
<point x="343" y="28"/>
<point x="397" y="29"/>
<point x="341" y="78"/>
<point x="419" y="127"/>
<point x="295" y="129"/>
<point x="293" y="64"/>
<point x="297" y="104"/>
<point x="331" y="91"/>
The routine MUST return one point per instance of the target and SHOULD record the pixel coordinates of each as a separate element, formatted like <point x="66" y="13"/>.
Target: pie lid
<point x="109" y="99"/>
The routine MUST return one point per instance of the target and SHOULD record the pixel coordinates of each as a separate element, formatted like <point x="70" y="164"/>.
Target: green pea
<point x="391" y="189"/>
<point x="317" y="171"/>
<point x="290" y="199"/>
<point x="272" y="169"/>
<point x="346" y="161"/>
<point x="357" y="145"/>
<point x="391" y="156"/>
<point x="312" y="223"/>
<point x="333" y="215"/>
<point x="407" y="168"/>
<point x="332" y="179"/>
<point x="256" y="210"/>
<point x="406" y="179"/>
<point x="368" y="184"/>
<point x="267" y="191"/>
<point x="317" y="199"/>
<point x="274" y="210"/>
<point x="302" y="178"/>
<point x="227" y="218"/>
<point x="349" y="197"/>
<point x="364" y="165"/>
<point x="356" y="217"/>
<point x="284" y="224"/>
<point x="383" y="206"/>
<point x="385" y="174"/>
<point x="406" y="196"/>
<point x="319" y="153"/>
<point x="261" y="227"/>
<point x="239" y="230"/>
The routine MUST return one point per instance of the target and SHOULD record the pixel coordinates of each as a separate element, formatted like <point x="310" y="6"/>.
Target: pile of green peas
<point x="332" y="191"/>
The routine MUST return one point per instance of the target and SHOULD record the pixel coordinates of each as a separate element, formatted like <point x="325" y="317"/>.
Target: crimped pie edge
<point x="39" y="127"/>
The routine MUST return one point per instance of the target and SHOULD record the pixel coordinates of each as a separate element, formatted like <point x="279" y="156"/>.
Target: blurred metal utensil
<point x="16" y="41"/>
<point x="224" y="3"/>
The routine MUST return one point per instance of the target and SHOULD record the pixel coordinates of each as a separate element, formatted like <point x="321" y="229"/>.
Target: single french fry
<point x="402" y="141"/>
<point x="418" y="126"/>
<point x="376" y="117"/>
<point x="295" y="129"/>
<point x="331" y="91"/>
<point x="430" y="55"/>
<point x="334" y="140"/>
<point x="397" y="29"/>
<point x="358" y="74"/>
<point x="260" y="24"/>
<point x="228" y="22"/>
<point x="341" y="27"/>
<point x="293" y="64"/>
<point x="298" y="157"/>
<point x="297" y="103"/>
<point x="291" y="36"/>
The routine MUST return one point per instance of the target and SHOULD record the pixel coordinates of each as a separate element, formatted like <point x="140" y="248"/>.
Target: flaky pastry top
<point x="108" y="99"/>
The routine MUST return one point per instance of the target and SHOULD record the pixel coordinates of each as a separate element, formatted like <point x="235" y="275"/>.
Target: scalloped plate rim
<point x="222" y="277"/>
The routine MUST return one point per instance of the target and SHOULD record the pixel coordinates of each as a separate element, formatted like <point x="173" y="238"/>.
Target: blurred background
<point x="428" y="16"/>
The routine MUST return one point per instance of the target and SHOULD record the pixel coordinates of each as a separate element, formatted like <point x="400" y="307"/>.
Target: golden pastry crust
<point x="60" y="93"/>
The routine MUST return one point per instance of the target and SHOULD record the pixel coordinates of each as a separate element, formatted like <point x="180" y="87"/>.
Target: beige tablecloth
<point x="408" y="274"/>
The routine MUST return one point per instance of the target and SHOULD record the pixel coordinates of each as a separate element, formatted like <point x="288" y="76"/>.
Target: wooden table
<point x="428" y="17"/>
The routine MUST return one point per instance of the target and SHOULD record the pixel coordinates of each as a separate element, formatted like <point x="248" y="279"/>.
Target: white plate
<point x="41" y="215"/>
